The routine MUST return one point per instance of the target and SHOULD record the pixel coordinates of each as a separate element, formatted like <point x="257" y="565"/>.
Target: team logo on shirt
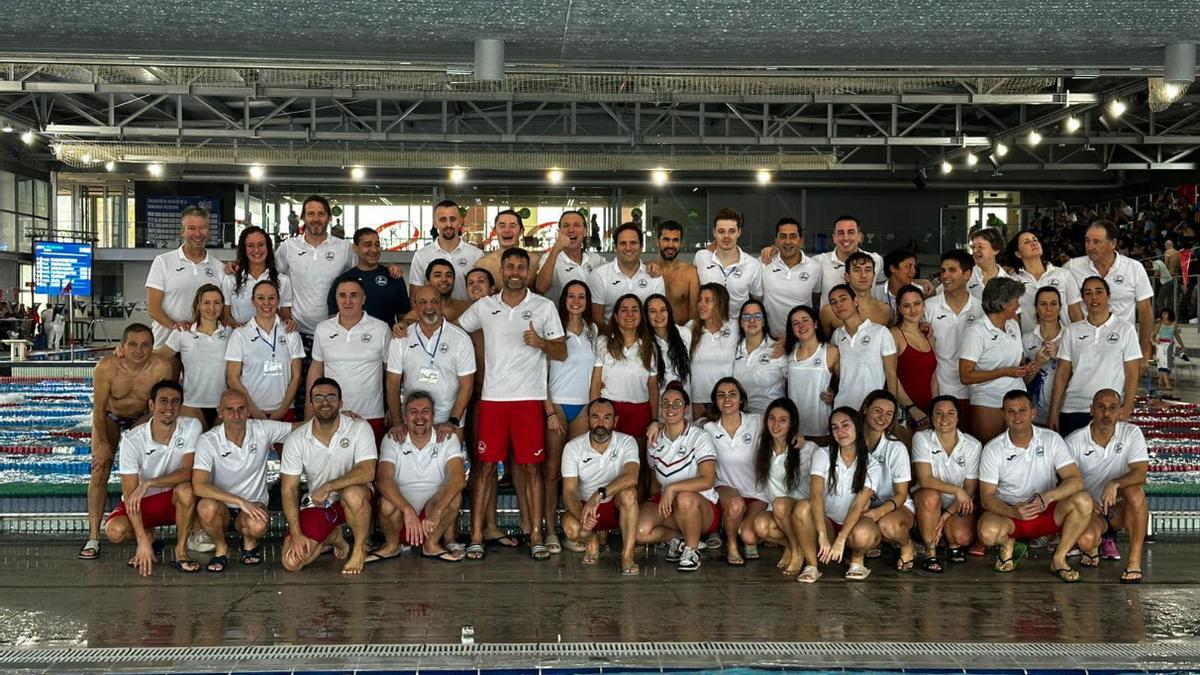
<point x="253" y="448"/>
<point x="1010" y="458"/>
<point x="526" y="315"/>
<point x="462" y="262"/>
<point x="329" y="256"/>
<point x="737" y="273"/>
<point x="764" y="359"/>
<point x="817" y="361"/>
<point x="746" y="438"/>
<point x="1089" y="453"/>
<point x="226" y="454"/>
<point x="725" y="332"/>
<point x="407" y="452"/>
<point x="960" y="461"/>
<point x="642" y="283"/>
<point x="180" y="269"/>
<point x="208" y="272"/>
<point x="380" y="280"/>
<point x="971" y="318"/>
<point x="345" y="443"/>
<point x="221" y="334"/>
<point x="1054" y="283"/>
<point x="1113" y="338"/>
<point x="366" y="338"/>
<point x="1117" y="449"/>
<point x="444" y="348"/>
<point x="1119" y="279"/>
<point x="179" y="443"/>
<point x="333" y="336"/>
<point x="588" y="459"/>
<point x="481" y="448"/>
<point x="866" y="340"/>
<point x="804" y="276"/>
<point x="1039" y="451"/>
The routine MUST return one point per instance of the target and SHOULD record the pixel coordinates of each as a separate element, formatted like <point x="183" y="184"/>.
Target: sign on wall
<point x="162" y="219"/>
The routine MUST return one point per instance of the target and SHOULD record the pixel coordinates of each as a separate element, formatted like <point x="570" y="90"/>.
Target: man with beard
<point x="336" y="454"/>
<point x="312" y="262"/>
<point x="682" y="281"/>
<point x="567" y="260"/>
<point x="441" y="276"/>
<point x="508" y="228"/>
<point x="386" y="298"/>
<point x="600" y="477"/>
<point x="790" y="278"/>
<point x="447" y="218"/>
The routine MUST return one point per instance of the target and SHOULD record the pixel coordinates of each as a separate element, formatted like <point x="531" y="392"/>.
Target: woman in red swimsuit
<point x="916" y="363"/>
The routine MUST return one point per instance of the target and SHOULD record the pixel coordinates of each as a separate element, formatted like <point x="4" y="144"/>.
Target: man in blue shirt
<point x="387" y="297"/>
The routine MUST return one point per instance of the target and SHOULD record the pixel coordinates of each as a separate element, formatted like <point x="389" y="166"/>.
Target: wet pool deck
<point x="49" y="599"/>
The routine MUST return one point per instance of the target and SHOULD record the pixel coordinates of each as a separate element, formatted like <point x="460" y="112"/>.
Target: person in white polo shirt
<point x="1113" y="458"/>
<point x="866" y="351"/>
<point x="1033" y="270"/>
<point x="1100" y="352"/>
<point x="336" y="455"/>
<point x="945" y="464"/>
<point x="449" y="244"/>
<point x="521" y="331"/>
<point x="728" y="264"/>
<point x="567" y="260"/>
<point x="742" y="497"/>
<point x="420" y="483"/>
<point x="352" y="347"/>
<point x="199" y="347"/>
<point x="860" y="277"/>
<point x="175" y="276"/>
<point x="435" y="357"/>
<point x="948" y="312"/>
<point x="1129" y="285"/>
<point x="255" y="259"/>
<point x="790" y="279"/>
<point x="624" y="274"/>
<point x="156" y="472"/>
<point x="229" y="477"/>
<point x="991" y="359"/>
<point x="1030" y="486"/>
<point x="263" y="360"/>
<point x="312" y="262"/>
<point x="986" y="245"/>
<point x="847" y="238"/>
<point x="599" y="483"/>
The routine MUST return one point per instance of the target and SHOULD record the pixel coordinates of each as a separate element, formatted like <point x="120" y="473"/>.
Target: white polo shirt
<point x="992" y="349"/>
<point x="777" y="485"/>
<point x="355" y="359"/>
<point x="1055" y="277"/>
<point x="947" y="335"/>
<point x="860" y="357"/>
<point x="736" y="453"/>
<point x="807" y="379"/>
<point x="420" y="471"/>
<point x="514" y="371"/>
<point x="1042" y="386"/>
<point x="266" y="360"/>
<point x="785" y="287"/>
<point x="1097" y="355"/>
<point x="312" y="270"/>
<point x="1101" y="464"/>
<point x="833" y="271"/>
<point x="240" y="470"/>
<point x="608" y="283"/>
<point x="839" y="500"/>
<point x="743" y="279"/>
<point x="713" y="358"/>
<point x="567" y="270"/>
<point x="761" y="373"/>
<point x="203" y="383"/>
<point x="1127" y="280"/>
<point x="670" y="372"/>
<point x="241" y="304"/>
<point x="678" y="460"/>
<point x="139" y="455"/>
<point x="178" y="278"/>
<point x="593" y="469"/>
<point x="352" y="443"/>
<point x="571" y="380"/>
<point x="1020" y="473"/>
<point x="463" y="258"/>
<point x="956" y="467"/>
<point x="976" y="284"/>
<point x="433" y="364"/>
<point x="894" y="467"/>
<point x="625" y="380"/>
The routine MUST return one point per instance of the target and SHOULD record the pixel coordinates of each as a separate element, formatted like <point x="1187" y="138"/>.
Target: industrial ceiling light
<point x="554" y="176"/>
<point x="1116" y="107"/>
<point x="1073" y="124"/>
<point x="357" y="173"/>
<point x="946" y="167"/>
<point x="972" y="159"/>
<point x="27" y="138"/>
<point x="1000" y="149"/>
<point x="659" y="176"/>
<point x="1171" y="90"/>
<point x="110" y="166"/>
<point x="1179" y="63"/>
<point x="7" y="128"/>
<point x="257" y="172"/>
<point x="458" y="175"/>
<point x="763" y="177"/>
<point x="1034" y="137"/>
<point x="155" y="170"/>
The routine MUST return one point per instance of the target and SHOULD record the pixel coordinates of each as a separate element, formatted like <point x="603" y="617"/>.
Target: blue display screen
<point x="56" y="263"/>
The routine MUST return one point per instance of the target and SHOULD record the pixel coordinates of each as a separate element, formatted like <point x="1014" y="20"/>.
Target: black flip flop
<point x="181" y="565"/>
<point x="252" y="554"/>
<point x="957" y="556"/>
<point x="220" y="561"/>
<point x="933" y="565"/>
<point x="444" y="556"/>
<point x="1131" y="580"/>
<point x="375" y="557"/>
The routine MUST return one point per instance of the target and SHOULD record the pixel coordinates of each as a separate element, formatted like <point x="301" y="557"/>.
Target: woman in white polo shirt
<point x="713" y="345"/>
<point x="946" y="463"/>
<point x="570" y="388"/>
<point x="811" y="365"/>
<point x="674" y="362"/>
<point x="1025" y="253"/>
<point x="199" y="348"/>
<point x="891" y="507"/>
<point x="989" y="359"/>
<point x="625" y="371"/>
<point x="757" y="363"/>
<point x="866" y="351"/>
<point x="255" y="263"/>
<point x="843" y="479"/>
<point x="986" y="245"/>
<point x="736" y="435"/>
<point x="263" y="359"/>
<point x="783" y="462"/>
<point x="1041" y="346"/>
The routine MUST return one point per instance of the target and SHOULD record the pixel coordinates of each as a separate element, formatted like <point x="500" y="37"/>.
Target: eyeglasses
<point x="673" y="404"/>
<point x="757" y="316"/>
<point x="326" y="398"/>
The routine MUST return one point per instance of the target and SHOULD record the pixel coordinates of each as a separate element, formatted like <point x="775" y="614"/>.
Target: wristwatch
<point x="603" y="492"/>
<point x="454" y="421"/>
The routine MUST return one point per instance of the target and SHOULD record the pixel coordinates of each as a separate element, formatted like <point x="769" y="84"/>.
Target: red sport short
<point x="1041" y="526"/>
<point x="378" y="428"/>
<point x="317" y="522"/>
<point x="519" y="426"/>
<point x="633" y="418"/>
<point x="420" y="515"/>
<point x="716" y="519"/>
<point x="157" y="510"/>
<point x="607" y="517"/>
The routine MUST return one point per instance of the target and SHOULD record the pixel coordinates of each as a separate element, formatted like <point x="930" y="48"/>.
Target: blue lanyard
<point x="431" y="352"/>
<point x="274" y="334"/>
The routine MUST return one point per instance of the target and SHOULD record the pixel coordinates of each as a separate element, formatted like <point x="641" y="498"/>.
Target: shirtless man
<point x="120" y="392"/>
<point x="683" y="283"/>
<point x="860" y="274"/>
<point x="508" y="228"/>
<point x="439" y="274"/>
<point x="566" y="260"/>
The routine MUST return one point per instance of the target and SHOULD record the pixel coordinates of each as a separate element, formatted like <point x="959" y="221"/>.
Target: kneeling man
<point x="420" y="483"/>
<point x="336" y="454"/>
<point x="600" y="475"/>
<point x="156" y="480"/>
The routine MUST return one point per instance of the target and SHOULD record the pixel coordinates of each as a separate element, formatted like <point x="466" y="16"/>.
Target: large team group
<point x="832" y="405"/>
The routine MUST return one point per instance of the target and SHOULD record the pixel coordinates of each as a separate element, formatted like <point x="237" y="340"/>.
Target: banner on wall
<point x="162" y="219"/>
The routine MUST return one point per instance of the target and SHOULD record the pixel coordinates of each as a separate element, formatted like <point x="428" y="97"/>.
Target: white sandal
<point x="809" y="574"/>
<point x="857" y="572"/>
<point x="553" y="544"/>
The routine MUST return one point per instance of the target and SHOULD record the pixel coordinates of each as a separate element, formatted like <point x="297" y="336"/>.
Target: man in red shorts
<point x="1030" y="486"/>
<point x="599" y="484"/>
<point x="521" y="330"/>
<point x="156" y="479"/>
<point x="336" y="454"/>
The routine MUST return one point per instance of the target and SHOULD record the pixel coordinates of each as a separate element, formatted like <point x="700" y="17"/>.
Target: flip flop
<point x="457" y="549"/>
<point x="539" y="552"/>
<point x="631" y="571"/>
<point x="218" y="561"/>
<point x="1126" y="579"/>
<point x="809" y="574"/>
<point x="1020" y="550"/>
<point x="476" y="552"/>
<point x="1066" y="575"/>
<point x="252" y="556"/>
<point x="751" y="552"/>
<point x="1089" y="560"/>
<point x="183" y="565"/>
<point x="375" y="557"/>
<point x="444" y="556"/>
<point x="591" y="558"/>
<point x="933" y="564"/>
<point x="904" y="565"/>
<point x="90" y="550"/>
<point x="734" y="560"/>
<point x="504" y="541"/>
<point x="957" y="556"/>
<point x="553" y="544"/>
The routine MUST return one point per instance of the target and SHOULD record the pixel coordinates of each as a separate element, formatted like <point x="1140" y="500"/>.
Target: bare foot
<point x="341" y="549"/>
<point x="785" y="560"/>
<point x="355" y="564"/>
